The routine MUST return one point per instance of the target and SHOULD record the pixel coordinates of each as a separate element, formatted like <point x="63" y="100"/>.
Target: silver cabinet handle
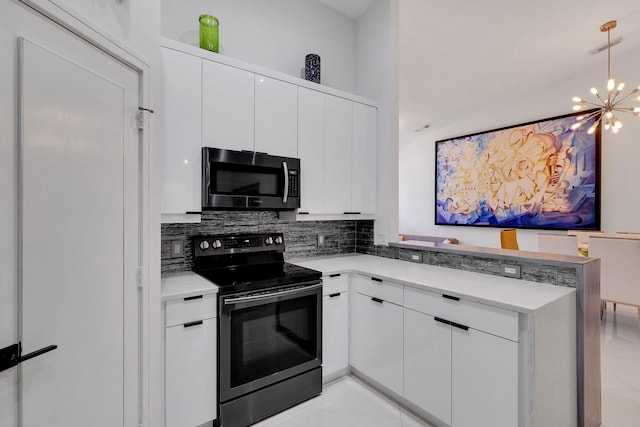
<point x="286" y="182"/>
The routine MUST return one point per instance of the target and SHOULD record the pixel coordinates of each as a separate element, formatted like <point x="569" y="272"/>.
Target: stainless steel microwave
<point x="246" y="180"/>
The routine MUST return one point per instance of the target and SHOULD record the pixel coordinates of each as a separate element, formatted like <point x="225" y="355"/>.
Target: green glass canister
<point x="209" y="32"/>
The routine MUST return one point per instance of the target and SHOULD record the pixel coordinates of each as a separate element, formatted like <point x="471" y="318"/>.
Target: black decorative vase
<point x="312" y="68"/>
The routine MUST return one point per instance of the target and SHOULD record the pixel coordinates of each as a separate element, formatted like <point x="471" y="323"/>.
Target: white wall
<point x="275" y="34"/>
<point x="377" y="70"/>
<point x="620" y="153"/>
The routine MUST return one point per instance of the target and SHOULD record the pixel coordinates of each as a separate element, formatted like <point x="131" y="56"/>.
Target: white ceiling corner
<point x="351" y="8"/>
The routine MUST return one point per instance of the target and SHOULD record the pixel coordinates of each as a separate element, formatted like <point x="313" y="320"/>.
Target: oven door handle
<point x="238" y="300"/>
<point x="285" y="194"/>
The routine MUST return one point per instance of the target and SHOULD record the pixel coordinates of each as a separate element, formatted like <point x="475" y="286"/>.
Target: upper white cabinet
<point x="276" y="117"/>
<point x="311" y="134"/>
<point x="364" y="158"/>
<point x="337" y="155"/>
<point x="227" y="107"/>
<point x="181" y="125"/>
<point x="337" y="149"/>
<point x="214" y="101"/>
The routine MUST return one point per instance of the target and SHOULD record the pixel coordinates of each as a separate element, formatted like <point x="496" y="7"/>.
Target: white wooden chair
<point x="619" y="270"/>
<point x="558" y="244"/>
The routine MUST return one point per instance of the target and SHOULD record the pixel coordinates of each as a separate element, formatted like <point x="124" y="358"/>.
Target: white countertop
<point x="185" y="284"/>
<point x="513" y="294"/>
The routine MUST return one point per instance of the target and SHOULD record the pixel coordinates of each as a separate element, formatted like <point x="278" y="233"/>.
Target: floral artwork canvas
<point x="540" y="174"/>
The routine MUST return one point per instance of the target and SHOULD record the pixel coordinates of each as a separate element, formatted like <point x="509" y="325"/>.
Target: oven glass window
<point x="253" y="182"/>
<point x="270" y="338"/>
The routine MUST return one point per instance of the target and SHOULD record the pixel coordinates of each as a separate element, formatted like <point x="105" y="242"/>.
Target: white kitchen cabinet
<point x="228" y="95"/>
<point x="458" y="373"/>
<point x="427" y="364"/>
<point x="363" y="159"/>
<point x="276" y="117"/>
<point x="311" y="135"/>
<point x="484" y="378"/>
<point x="337" y="150"/>
<point x="181" y="126"/>
<point x="376" y="338"/>
<point x="190" y="362"/>
<point x="335" y="324"/>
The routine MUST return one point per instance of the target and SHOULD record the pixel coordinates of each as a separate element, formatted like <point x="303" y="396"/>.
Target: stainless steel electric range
<point x="269" y="325"/>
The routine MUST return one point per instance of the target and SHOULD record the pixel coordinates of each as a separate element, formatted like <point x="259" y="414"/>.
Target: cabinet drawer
<point x="188" y="309"/>
<point x="482" y="317"/>
<point x="335" y="283"/>
<point x="378" y="288"/>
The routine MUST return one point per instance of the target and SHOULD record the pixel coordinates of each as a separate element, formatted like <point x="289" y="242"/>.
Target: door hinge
<point x="140" y="276"/>
<point x="140" y="117"/>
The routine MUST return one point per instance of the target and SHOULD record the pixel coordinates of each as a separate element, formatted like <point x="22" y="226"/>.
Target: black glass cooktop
<point x="260" y="276"/>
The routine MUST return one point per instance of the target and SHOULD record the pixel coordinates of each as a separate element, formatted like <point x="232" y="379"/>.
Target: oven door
<point x="267" y="337"/>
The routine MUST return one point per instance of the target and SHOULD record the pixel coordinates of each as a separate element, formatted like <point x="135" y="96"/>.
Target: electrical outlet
<point x="177" y="249"/>
<point x="381" y="239"/>
<point x="511" y="271"/>
<point x="320" y="239"/>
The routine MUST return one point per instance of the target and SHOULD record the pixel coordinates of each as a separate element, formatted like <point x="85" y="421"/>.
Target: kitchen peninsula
<point x="549" y="315"/>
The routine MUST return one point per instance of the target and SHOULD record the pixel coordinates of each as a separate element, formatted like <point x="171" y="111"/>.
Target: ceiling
<point x="458" y="55"/>
<point x="352" y="8"/>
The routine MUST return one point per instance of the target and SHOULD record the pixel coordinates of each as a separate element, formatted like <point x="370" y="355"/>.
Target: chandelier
<point x="606" y="106"/>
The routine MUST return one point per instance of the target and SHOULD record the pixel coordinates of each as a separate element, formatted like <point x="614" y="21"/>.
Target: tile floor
<point x="620" y="338"/>
<point x="345" y="402"/>
<point x="348" y="402"/>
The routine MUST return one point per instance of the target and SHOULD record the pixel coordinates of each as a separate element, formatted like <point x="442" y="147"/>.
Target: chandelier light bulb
<point x="608" y="104"/>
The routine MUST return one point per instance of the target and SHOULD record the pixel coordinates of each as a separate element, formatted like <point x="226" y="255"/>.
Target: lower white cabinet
<point x="190" y="367"/>
<point x="376" y="337"/>
<point x="427" y="364"/>
<point x="335" y="324"/>
<point x="457" y="373"/>
<point x="484" y="377"/>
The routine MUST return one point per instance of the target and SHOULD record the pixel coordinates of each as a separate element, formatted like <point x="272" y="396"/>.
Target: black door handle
<point x="12" y="356"/>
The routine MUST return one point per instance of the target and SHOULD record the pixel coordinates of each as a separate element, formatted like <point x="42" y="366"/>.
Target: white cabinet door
<point x="376" y="341"/>
<point x="276" y="117"/>
<point x="427" y="363"/>
<point x="191" y="374"/>
<point x="227" y="107"/>
<point x="182" y="131"/>
<point x="484" y="380"/>
<point x="364" y="157"/>
<point x="338" y="122"/>
<point x="311" y="149"/>
<point x="335" y="332"/>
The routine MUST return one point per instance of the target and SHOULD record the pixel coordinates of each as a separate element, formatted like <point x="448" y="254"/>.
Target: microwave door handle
<point x="285" y="194"/>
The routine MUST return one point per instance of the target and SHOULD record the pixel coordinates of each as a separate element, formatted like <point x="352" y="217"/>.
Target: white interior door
<point x="78" y="236"/>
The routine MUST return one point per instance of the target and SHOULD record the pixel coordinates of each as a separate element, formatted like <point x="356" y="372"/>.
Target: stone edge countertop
<point x="512" y="294"/>
<point x="185" y="284"/>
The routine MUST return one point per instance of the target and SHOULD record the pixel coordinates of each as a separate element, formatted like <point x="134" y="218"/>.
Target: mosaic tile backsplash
<point x="341" y="237"/>
<point x="300" y="237"/>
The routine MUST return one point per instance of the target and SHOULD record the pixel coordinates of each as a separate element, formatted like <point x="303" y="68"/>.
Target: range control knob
<point x="269" y="241"/>
<point x="217" y="244"/>
<point x="279" y="240"/>
<point x="204" y="245"/>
